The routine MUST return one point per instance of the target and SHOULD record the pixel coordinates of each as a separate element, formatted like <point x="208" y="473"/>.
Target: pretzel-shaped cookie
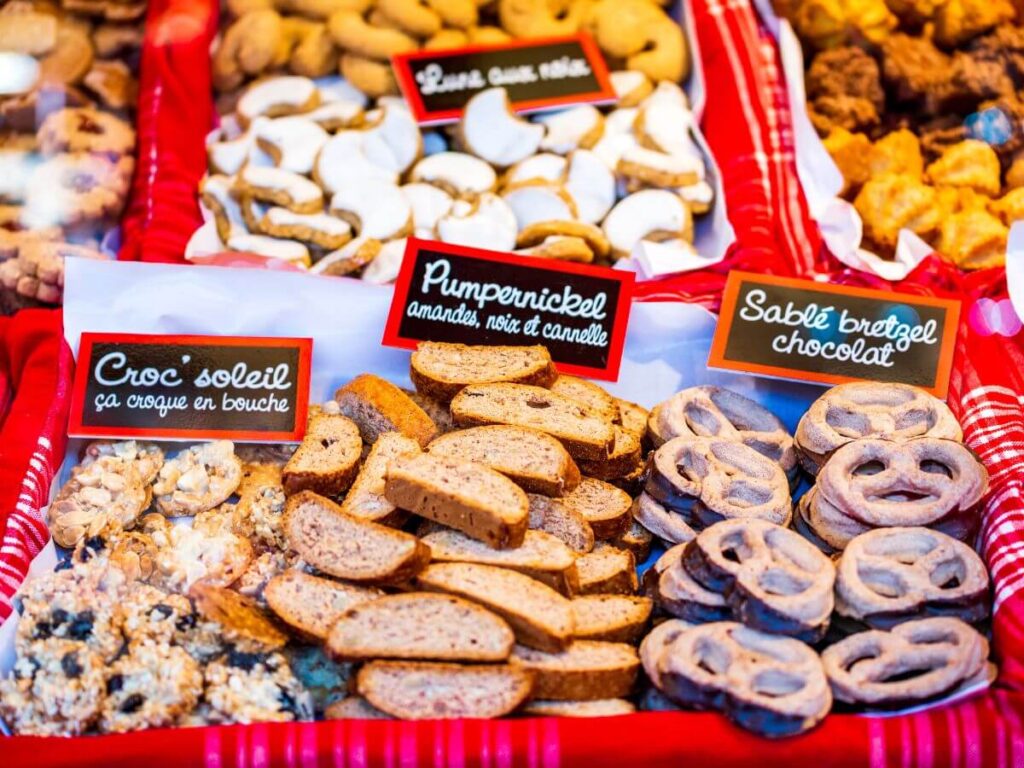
<point x="917" y="482"/>
<point x="773" y="579"/>
<point x="914" y="662"/>
<point x="711" y="479"/>
<point x="868" y="409"/>
<point x="888" y="575"/>
<point x="772" y="685"/>
<point x="715" y="412"/>
<point x="680" y="595"/>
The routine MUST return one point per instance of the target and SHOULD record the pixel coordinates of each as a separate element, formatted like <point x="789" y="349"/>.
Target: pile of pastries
<point x="919" y="105"/>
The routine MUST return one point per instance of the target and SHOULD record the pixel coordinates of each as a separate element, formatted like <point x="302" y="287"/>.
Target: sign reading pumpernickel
<point x="191" y="387"/>
<point x="537" y="74"/>
<point x="451" y="293"/>
<point x="800" y="329"/>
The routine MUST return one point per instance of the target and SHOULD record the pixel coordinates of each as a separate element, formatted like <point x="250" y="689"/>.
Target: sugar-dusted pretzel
<point x="869" y="409"/>
<point x="715" y="412"/>
<point x="679" y="594"/>
<point x="653" y="646"/>
<point x="772" y="685"/>
<point x="889" y="575"/>
<point x="711" y="479"/>
<point x="914" y="662"/>
<point x="916" y="482"/>
<point x="774" y="579"/>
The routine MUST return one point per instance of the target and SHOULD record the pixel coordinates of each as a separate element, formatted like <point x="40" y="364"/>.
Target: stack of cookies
<point x="66" y="136"/>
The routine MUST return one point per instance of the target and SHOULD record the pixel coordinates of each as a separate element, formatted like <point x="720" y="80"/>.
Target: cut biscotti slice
<point x="595" y="708"/>
<point x="585" y="671"/>
<point x="607" y="570"/>
<point x="440" y="370"/>
<point x="240" y="618"/>
<point x="633" y="417"/>
<point x="615" y="618"/>
<point x="378" y="406"/>
<point x="435" y="409"/>
<point x="420" y="625"/>
<point x="622" y="460"/>
<point x="562" y="522"/>
<point x="584" y="434"/>
<point x="590" y="394"/>
<point x="366" y="498"/>
<point x="637" y="540"/>
<point x="338" y="544"/>
<point x="533" y="460"/>
<point x="541" y="556"/>
<point x="328" y="458"/>
<point x="604" y="506"/>
<point x="539" y="616"/>
<point x="460" y="494"/>
<point x="354" y="708"/>
<point x="421" y="690"/>
<point x="311" y="604"/>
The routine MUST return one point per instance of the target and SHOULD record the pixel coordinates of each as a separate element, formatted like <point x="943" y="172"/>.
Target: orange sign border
<point x="717" y="359"/>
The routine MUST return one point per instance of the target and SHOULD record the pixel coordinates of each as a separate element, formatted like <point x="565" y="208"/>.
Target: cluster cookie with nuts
<point x="66" y="136"/>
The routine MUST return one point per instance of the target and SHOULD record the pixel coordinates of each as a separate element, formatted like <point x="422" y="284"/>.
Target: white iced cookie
<point x="394" y="141"/>
<point x="320" y="229"/>
<point x="336" y="115"/>
<point x="486" y="222"/>
<point x="21" y="72"/>
<point x="614" y="144"/>
<point x="574" y="128"/>
<point x="292" y="142"/>
<point x="374" y="208"/>
<point x="384" y="269"/>
<point x="667" y="93"/>
<point x="631" y="87"/>
<point x="698" y="196"/>
<point x="660" y="169"/>
<point x="666" y="257"/>
<point x="215" y="195"/>
<point x="272" y="247"/>
<point x="456" y="173"/>
<point x="591" y="184"/>
<point x="229" y="155"/>
<point x="277" y="186"/>
<point x="389" y="101"/>
<point x="277" y="96"/>
<point x="531" y="203"/>
<point x="341" y="163"/>
<point x="491" y="131"/>
<point x="648" y="212"/>
<point x="336" y="88"/>
<point x="429" y="204"/>
<point x="545" y="166"/>
<point x="666" y="125"/>
<point x="351" y="257"/>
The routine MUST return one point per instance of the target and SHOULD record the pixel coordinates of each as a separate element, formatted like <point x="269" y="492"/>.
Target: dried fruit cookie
<point x="245" y="687"/>
<point x="150" y="687"/>
<point x="197" y="479"/>
<point x="109" y="490"/>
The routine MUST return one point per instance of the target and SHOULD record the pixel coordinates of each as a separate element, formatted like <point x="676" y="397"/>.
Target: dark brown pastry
<point x="845" y="90"/>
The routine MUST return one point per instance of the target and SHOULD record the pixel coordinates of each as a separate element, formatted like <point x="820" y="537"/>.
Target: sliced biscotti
<point x="584" y="434"/>
<point x="366" y="498"/>
<point x="541" y="556"/>
<point x="440" y="370"/>
<point x="354" y="708"/>
<point x="338" y="544"/>
<point x="585" y="671"/>
<point x="561" y="521"/>
<point x="420" y="625"/>
<point x="588" y="393"/>
<point x="604" y="506"/>
<point x="607" y="570"/>
<point x="311" y="604"/>
<point x="615" y="618"/>
<point x="632" y="417"/>
<point x="624" y="458"/>
<point x="435" y="409"/>
<point x="378" y="406"/>
<point x="327" y="459"/>
<point x="460" y="494"/>
<point x="636" y="539"/>
<point x="595" y="708"/>
<point x="539" y="616"/>
<point x="424" y="690"/>
<point x="533" y="460"/>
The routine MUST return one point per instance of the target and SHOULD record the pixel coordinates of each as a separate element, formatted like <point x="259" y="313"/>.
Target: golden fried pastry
<point x="914" y="11"/>
<point x="957" y="199"/>
<point x="898" y="152"/>
<point x="970" y="163"/>
<point x="957" y="21"/>
<point x="851" y="153"/>
<point x="871" y="18"/>
<point x="821" y="23"/>
<point x="1015" y="173"/>
<point x="973" y="239"/>
<point x="1010" y="207"/>
<point x="887" y="204"/>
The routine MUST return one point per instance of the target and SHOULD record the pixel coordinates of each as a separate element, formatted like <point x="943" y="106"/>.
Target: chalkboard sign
<point x="447" y="292"/>
<point x="538" y="74"/>
<point x="191" y="387"/>
<point x="799" y="329"/>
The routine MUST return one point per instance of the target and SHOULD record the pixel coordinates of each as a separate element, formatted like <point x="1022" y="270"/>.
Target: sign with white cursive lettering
<point x="191" y="387"/>
<point x="800" y="329"/>
<point x="538" y="74"/>
<point x="451" y="293"/>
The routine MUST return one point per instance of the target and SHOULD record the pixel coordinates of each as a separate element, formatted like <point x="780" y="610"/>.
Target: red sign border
<point x="626" y="280"/>
<point x="85" y="346"/>
<point x="716" y="358"/>
<point x="407" y="84"/>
